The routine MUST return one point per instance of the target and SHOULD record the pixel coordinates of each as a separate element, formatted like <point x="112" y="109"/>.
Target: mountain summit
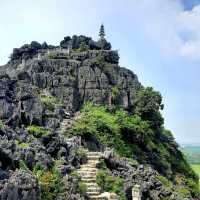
<point x="75" y="125"/>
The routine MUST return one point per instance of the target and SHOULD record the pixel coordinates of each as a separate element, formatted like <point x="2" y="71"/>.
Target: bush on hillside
<point x="51" y="182"/>
<point x="110" y="184"/>
<point x="134" y="138"/>
<point x="147" y="105"/>
<point x="50" y="103"/>
<point x="38" y="131"/>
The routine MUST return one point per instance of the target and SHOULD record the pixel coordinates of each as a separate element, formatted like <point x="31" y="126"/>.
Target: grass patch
<point x="21" y="145"/>
<point x="115" y="94"/>
<point x="164" y="181"/>
<point x="38" y="131"/>
<point x="82" y="187"/>
<point x="196" y="168"/>
<point x="1" y="124"/>
<point x="50" y="102"/>
<point x="110" y="184"/>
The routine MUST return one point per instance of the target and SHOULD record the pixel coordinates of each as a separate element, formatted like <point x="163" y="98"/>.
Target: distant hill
<point x="192" y="153"/>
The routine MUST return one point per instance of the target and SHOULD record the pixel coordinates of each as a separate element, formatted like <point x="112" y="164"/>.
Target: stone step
<point x="89" y="160"/>
<point x="89" y="180"/>
<point x="87" y="173"/>
<point x="84" y="175"/>
<point x="94" y="157"/>
<point x="65" y="124"/>
<point x="91" y="165"/>
<point x="88" y="176"/>
<point x="92" y="184"/>
<point x="93" y="189"/>
<point x="110" y="196"/>
<point x="96" y="197"/>
<point x="92" y="162"/>
<point x="94" y="153"/>
<point x="92" y="193"/>
<point x="86" y="169"/>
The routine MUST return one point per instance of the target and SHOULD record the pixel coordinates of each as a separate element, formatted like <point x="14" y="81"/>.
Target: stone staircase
<point x="88" y="174"/>
<point x="67" y="122"/>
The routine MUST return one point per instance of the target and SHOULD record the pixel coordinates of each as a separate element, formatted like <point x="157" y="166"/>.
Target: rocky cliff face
<point x="73" y="80"/>
<point x="41" y="88"/>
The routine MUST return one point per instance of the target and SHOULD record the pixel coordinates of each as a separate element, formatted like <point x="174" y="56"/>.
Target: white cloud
<point x="189" y="24"/>
<point x="174" y="30"/>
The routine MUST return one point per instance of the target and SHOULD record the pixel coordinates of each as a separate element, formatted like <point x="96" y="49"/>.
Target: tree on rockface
<point x="148" y="104"/>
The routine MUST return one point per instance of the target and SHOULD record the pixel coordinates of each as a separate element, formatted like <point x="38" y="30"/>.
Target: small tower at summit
<point x="102" y="32"/>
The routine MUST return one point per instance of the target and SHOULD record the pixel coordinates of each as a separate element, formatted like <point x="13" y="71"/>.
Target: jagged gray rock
<point x="70" y="80"/>
<point x="20" y="185"/>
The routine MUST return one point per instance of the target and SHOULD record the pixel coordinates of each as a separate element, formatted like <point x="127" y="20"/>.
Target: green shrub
<point x="51" y="182"/>
<point x="1" y="124"/>
<point x="23" y="166"/>
<point x="81" y="153"/>
<point x="59" y="162"/>
<point x="99" y="61"/>
<point x="21" y="145"/>
<point x="83" y="47"/>
<point x="164" y="181"/>
<point x="183" y="192"/>
<point x="52" y="56"/>
<point x="50" y="102"/>
<point x="147" y="104"/>
<point x="192" y="185"/>
<point x="116" y="130"/>
<point x="167" y="133"/>
<point x="102" y="164"/>
<point x="38" y="131"/>
<point x="132" y="162"/>
<point x="115" y="94"/>
<point x="110" y="184"/>
<point x="82" y="187"/>
<point x="134" y="138"/>
<point x="75" y="175"/>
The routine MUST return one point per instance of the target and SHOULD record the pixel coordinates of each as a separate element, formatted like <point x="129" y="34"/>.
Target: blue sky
<point x="158" y="39"/>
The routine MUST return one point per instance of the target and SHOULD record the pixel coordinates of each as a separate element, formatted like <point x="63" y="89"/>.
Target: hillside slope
<point x="59" y="102"/>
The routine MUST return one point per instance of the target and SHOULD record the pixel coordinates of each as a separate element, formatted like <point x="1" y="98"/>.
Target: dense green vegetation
<point x="50" y="102"/>
<point x="21" y="145"/>
<point x="192" y="154"/>
<point x="196" y="168"/>
<point x="115" y="95"/>
<point x="83" y="47"/>
<point x="38" y="131"/>
<point x="110" y="184"/>
<point x="139" y="136"/>
<point x="51" y="181"/>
